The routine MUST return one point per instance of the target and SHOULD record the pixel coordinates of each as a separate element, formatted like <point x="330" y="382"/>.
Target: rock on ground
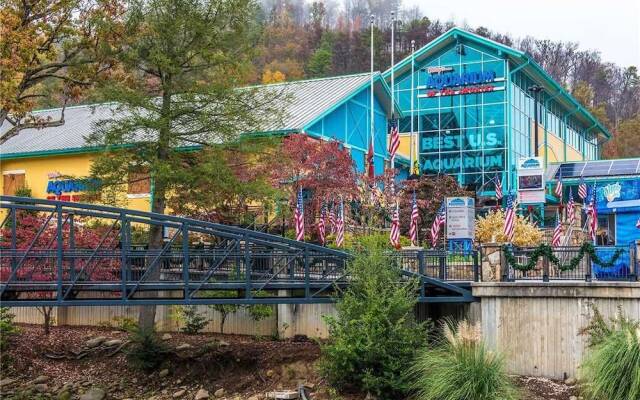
<point x="201" y="395"/>
<point x="94" y="394"/>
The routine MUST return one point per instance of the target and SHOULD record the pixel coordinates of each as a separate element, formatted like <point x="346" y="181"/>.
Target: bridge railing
<point x="61" y="251"/>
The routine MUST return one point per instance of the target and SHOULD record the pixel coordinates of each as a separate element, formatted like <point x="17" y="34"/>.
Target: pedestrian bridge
<point x="57" y="253"/>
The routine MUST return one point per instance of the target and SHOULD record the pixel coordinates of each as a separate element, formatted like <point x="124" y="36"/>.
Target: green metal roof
<point x="306" y="102"/>
<point x="519" y="58"/>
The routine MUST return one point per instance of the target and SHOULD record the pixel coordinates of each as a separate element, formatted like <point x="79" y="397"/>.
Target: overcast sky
<point x="611" y="27"/>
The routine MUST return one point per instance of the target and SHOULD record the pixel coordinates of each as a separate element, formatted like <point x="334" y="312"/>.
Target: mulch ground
<point x="244" y="366"/>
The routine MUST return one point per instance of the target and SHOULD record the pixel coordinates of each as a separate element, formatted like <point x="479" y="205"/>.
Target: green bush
<point x="147" y="352"/>
<point x="7" y="327"/>
<point x="7" y="330"/>
<point x="460" y="368"/>
<point x="374" y="335"/>
<point x="611" y="369"/>
<point x="191" y="320"/>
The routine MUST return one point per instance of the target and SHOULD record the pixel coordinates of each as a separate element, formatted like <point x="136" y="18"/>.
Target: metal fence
<point x="584" y="268"/>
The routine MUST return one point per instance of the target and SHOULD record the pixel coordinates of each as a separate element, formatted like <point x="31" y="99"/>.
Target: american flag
<point x="571" y="208"/>
<point x="394" y="138"/>
<point x="299" y="217"/>
<point x="582" y="189"/>
<point x="394" y="235"/>
<point x="321" y="227"/>
<point x="510" y="219"/>
<point x="332" y="218"/>
<point x="555" y="240"/>
<point x="413" y="227"/>
<point x="441" y="217"/>
<point x="499" y="194"/>
<point x="340" y="225"/>
<point x="592" y="214"/>
<point x="558" y="189"/>
<point x="371" y="170"/>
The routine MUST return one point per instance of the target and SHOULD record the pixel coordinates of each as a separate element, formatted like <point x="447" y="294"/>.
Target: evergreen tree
<point x="184" y="60"/>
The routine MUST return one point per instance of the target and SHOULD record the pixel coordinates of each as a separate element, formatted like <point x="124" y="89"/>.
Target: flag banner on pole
<point x="394" y="235"/>
<point x="510" y="219"/>
<point x="557" y="232"/>
<point x="332" y="218"/>
<point x="498" y="183"/>
<point x="582" y="189"/>
<point x="558" y="189"/>
<point x="321" y="227"/>
<point x="571" y="208"/>
<point x="340" y="225"/>
<point x="592" y="214"/>
<point x="394" y="138"/>
<point x="299" y="216"/>
<point x="413" y="226"/>
<point x="438" y="222"/>
<point x="370" y="167"/>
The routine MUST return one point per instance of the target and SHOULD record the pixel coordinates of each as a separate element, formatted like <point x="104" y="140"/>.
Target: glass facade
<point x="474" y="120"/>
<point x="459" y="114"/>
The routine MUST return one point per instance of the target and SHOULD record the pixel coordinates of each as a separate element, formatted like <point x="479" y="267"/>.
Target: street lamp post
<point x="535" y="89"/>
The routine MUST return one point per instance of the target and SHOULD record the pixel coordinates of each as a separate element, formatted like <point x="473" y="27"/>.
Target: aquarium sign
<point x="453" y="79"/>
<point x="57" y="187"/>
<point x="461" y="215"/>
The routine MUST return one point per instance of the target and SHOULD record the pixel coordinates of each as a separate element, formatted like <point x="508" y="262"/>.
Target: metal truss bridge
<point x="56" y="253"/>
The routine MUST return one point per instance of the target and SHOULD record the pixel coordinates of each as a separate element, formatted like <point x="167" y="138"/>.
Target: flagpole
<point x="393" y="88"/>
<point x="413" y="49"/>
<point x="372" y="144"/>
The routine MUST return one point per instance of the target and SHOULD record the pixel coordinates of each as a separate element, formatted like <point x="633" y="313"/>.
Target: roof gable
<point x="520" y="59"/>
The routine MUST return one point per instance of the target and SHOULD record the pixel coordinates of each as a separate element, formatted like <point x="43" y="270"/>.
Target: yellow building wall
<point x="554" y="148"/>
<point x="38" y="171"/>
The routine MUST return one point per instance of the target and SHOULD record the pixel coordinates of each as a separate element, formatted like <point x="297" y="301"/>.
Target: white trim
<point x="14" y="172"/>
<point x="138" y="195"/>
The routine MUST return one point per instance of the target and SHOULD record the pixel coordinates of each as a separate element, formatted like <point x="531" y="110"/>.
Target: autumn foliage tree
<point x="324" y="169"/>
<point x="430" y="193"/>
<point x="490" y="229"/>
<point x="52" y="48"/>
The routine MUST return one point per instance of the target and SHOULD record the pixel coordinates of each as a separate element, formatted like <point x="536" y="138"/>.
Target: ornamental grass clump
<point x="460" y="367"/>
<point x="611" y="369"/>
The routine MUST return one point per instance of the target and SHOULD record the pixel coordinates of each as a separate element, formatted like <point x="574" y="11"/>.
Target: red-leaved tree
<point x="40" y="263"/>
<point x="324" y="169"/>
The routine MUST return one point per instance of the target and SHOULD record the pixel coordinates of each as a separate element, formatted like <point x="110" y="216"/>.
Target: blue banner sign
<point x="618" y="194"/>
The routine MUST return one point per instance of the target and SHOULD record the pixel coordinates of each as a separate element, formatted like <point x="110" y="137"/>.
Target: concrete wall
<point x="286" y="320"/>
<point x="537" y="325"/>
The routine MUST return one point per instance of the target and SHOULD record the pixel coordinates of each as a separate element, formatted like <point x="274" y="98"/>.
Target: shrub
<point x="460" y="367"/>
<point x="7" y="327"/>
<point x="611" y="369"/>
<point x="490" y="228"/>
<point x="7" y="330"/>
<point x="147" y="351"/>
<point x="191" y="320"/>
<point x="374" y="335"/>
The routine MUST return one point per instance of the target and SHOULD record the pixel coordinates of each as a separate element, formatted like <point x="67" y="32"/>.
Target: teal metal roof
<point x="303" y="103"/>
<point x="519" y="58"/>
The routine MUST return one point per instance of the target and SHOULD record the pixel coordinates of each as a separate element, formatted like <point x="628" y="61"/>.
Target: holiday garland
<point x="547" y="251"/>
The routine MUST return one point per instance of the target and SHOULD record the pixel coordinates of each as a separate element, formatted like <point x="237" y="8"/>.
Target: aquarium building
<point x="471" y="105"/>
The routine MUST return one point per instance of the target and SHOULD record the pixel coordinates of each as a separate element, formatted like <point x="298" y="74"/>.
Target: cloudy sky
<point x="611" y="27"/>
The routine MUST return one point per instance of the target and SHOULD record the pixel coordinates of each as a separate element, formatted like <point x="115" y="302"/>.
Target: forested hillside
<point x="304" y="40"/>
